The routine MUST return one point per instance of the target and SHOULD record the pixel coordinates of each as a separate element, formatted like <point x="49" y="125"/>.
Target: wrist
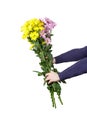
<point x="54" y="60"/>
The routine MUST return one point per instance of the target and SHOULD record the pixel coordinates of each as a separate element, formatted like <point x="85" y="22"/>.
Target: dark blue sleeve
<point x="77" y="69"/>
<point x="72" y="55"/>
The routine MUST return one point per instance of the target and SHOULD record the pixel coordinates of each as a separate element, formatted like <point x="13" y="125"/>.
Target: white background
<point x="24" y="103"/>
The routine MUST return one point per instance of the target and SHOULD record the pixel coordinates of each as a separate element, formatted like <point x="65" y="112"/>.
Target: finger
<point x="49" y="82"/>
<point x="48" y="78"/>
<point x="47" y="74"/>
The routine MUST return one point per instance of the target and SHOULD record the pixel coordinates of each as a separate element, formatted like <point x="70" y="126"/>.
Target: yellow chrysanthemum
<point x="34" y="36"/>
<point x="32" y="28"/>
<point x="41" y="28"/>
<point x="36" y="28"/>
<point x="25" y="34"/>
<point x="29" y="28"/>
<point x="32" y="46"/>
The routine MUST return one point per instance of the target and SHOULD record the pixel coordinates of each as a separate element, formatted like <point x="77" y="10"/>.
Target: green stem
<point x="53" y="99"/>
<point x="60" y="100"/>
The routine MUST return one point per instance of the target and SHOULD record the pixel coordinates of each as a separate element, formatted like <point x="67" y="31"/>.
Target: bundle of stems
<point x="44" y="52"/>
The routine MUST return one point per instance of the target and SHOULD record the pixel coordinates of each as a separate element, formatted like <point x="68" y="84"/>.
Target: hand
<point x="52" y="77"/>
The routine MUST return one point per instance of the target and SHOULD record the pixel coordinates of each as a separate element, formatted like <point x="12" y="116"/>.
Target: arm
<point x="72" y="55"/>
<point x="77" y="69"/>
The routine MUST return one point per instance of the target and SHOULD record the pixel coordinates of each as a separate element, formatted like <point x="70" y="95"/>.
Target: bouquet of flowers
<point x="38" y="32"/>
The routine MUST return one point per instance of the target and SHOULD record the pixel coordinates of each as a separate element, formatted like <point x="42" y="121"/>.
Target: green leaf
<point x="39" y="73"/>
